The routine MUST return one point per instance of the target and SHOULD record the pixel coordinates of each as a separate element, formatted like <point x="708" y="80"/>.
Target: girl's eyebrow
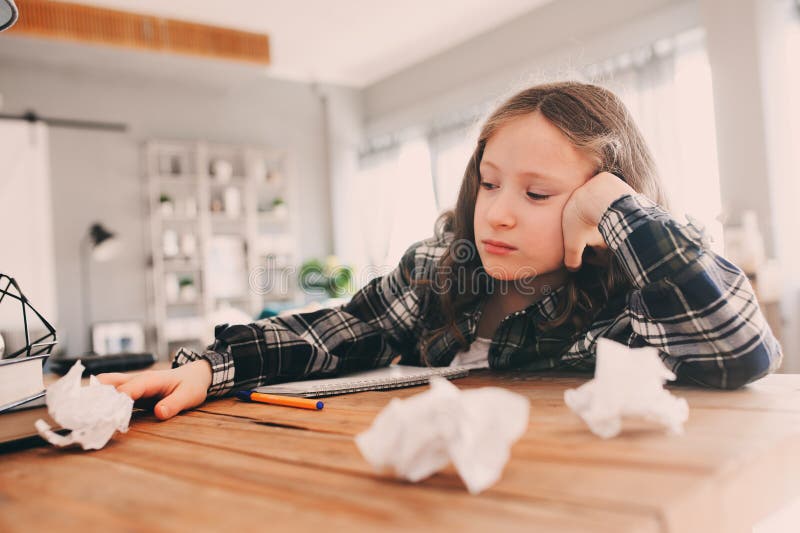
<point x="529" y="174"/>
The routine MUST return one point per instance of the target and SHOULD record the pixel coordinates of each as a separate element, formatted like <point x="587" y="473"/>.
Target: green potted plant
<point x="187" y="289"/>
<point x="279" y="208"/>
<point x="331" y="277"/>
<point x="167" y="205"/>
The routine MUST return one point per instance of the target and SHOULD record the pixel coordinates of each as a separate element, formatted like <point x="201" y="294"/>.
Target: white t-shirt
<point x="476" y="357"/>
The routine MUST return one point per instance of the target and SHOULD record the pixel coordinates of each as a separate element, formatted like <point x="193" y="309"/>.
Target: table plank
<point x="726" y="431"/>
<point x="555" y="431"/>
<point x="86" y="492"/>
<point x="525" y="478"/>
<point x="735" y="463"/>
<point x="671" y="498"/>
<point x="184" y="485"/>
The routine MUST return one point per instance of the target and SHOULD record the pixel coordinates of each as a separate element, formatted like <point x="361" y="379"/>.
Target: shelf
<point x="273" y="225"/>
<point x="183" y="268"/>
<point x="182" y="339"/>
<point x="232" y="298"/>
<point x="185" y="304"/>
<point x="196" y="190"/>
<point x="177" y="179"/>
<point x="178" y="220"/>
<point x="221" y="217"/>
<point x="276" y="267"/>
<point x="181" y="261"/>
<point x="288" y="298"/>
<point x="236" y="181"/>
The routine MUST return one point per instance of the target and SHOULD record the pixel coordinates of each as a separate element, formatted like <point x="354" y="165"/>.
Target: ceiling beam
<point x="95" y="25"/>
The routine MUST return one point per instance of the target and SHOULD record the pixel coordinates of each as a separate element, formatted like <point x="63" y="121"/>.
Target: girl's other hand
<point x="582" y="214"/>
<point x="178" y="389"/>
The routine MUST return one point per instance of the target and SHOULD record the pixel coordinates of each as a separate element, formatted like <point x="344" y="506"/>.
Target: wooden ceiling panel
<point x="88" y="24"/>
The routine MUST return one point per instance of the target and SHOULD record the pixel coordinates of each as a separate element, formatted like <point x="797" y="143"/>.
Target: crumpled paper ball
<point x="474" y="429"/>
<point x="627" y="382"/>
<point x="93" y="413"/>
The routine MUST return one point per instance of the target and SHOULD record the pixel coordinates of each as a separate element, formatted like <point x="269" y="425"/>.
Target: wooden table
<point x="231" y="465"/>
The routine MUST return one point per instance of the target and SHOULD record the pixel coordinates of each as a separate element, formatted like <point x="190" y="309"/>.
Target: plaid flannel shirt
<point x="694" y="306"/>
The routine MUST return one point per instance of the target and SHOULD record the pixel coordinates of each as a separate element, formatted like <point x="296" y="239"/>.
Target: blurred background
<point x="171" y="165"/>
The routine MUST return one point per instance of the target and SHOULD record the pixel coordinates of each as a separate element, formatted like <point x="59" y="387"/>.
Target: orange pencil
<point x="274" y="399"/>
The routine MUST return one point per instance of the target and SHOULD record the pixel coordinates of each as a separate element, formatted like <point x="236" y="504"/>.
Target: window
<point x="396" y="192"/>
<point x="451" y="153"/>
<point x="781" y="85"/>
<point x="667" y="88"/>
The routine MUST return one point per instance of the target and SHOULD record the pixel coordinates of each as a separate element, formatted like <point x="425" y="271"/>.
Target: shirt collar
<point x="543" y="310"/>
<point x="546" y="308"/>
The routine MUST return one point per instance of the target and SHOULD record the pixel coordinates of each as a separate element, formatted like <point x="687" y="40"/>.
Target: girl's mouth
<point x="497" y="247"/>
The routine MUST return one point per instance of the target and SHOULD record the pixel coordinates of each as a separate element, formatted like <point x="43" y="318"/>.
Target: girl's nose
<point x="501" y="213"/>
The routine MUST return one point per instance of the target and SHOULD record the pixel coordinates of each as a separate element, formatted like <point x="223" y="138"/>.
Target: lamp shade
<point x="103" y="243"/>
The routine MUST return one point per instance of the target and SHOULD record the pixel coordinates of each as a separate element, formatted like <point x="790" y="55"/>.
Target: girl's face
<point x="528" y="171"/>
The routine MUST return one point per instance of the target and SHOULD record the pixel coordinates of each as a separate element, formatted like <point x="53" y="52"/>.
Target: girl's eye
<point x="534" y="196"/>
<point x="488" y="186"/>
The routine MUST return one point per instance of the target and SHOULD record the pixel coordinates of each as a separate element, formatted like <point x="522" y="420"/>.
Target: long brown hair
<point x="596" y="122"/>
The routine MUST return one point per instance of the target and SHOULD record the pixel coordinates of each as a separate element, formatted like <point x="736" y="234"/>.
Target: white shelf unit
<point x="220" y="234"/>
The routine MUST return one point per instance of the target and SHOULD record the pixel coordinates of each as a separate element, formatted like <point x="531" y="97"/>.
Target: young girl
<point x="560" y="236"/>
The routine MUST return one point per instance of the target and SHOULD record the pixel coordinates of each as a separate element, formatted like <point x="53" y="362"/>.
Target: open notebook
<point x="391" y="377"/>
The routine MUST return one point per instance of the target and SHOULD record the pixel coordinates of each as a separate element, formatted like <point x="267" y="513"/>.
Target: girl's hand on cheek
<point x="582" y="214"/>
<point x="177" y="389"/>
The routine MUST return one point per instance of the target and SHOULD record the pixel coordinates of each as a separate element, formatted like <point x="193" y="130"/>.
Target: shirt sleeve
<point x="695" y="306"/>
<point x="367" y="332"/>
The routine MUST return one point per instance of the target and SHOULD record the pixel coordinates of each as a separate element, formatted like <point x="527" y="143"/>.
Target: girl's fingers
<point x="113" y="378"/>
<point x="149" y="384"/>
<point x="580" y="239"/>
<point x="183" y="397"/>
<point x="573" y="255"/>
<point x="574" y="240"/>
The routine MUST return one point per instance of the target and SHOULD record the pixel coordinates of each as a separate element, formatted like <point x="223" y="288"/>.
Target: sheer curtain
<point x="781" y="50"/>
<point x="414" y="205"/>
<point x="397" y="196"/>
<point x="26" y="223"/>
<point x="667" y="88"/>
<point x="451" y="152"/>
<point x="372" y="188"/>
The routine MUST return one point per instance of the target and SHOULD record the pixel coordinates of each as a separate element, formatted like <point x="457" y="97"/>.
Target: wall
<point x="96" y="176"/>
<point x="550" y="41"/>
<point x="26" y="232"/>
<point x="558" y="38"/>
<point x="344" y="133"/>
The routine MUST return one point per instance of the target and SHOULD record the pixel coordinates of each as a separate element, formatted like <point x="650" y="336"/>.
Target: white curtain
<point x="376" y="210"/>
<point x="396" y="192"/>
<point x="414" y="206"/>
<point x="667" y="88"/>
<point x="451" y="153"/>
<point x="780" y="53"/>
<point x="26" y="224"/>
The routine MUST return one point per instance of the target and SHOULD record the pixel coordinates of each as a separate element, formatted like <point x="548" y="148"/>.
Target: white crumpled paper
<point x="627" y="382"/>
<point x="93" y="413"/>
<point x="474" y="429"/>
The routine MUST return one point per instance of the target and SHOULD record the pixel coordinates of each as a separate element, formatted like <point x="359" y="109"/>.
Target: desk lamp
<point x="99" y="244"/>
